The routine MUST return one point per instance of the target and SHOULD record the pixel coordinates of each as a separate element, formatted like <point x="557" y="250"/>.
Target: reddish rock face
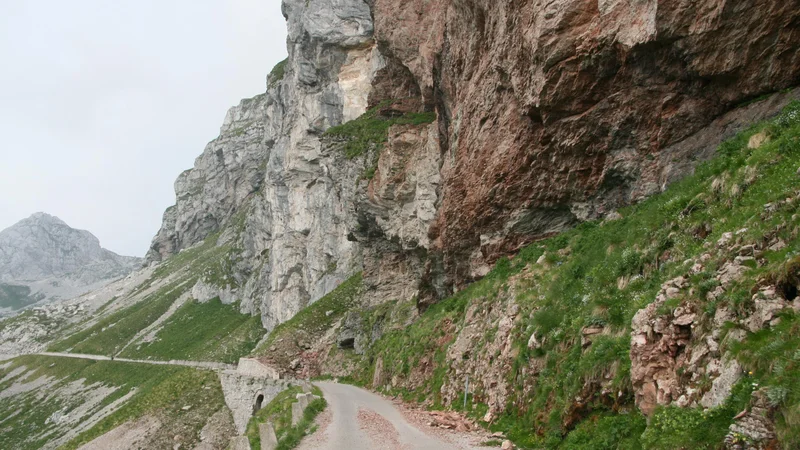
<point x="560" y="111"/>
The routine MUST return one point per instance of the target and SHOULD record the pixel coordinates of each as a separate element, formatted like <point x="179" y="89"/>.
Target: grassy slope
<point x="580" y="289"/>
<point x="160" y="390"/>
<point x="209" y="262"/>
<point x="109" y="335"/>
<point x="207" y="331"/>
<point x="578" y="286"/>
<point x="279" y="412"/>
<point x="371" y="129"/>
<point x="16" y="297"/>
<point x="277" y="73"/>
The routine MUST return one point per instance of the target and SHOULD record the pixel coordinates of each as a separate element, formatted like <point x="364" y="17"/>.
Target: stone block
<point x="269" y="441"/>
<point x="239" y="443"/>
<point x="254" y="368"/>
<point x="303" y="400"/>
<point x="297" y="413"/>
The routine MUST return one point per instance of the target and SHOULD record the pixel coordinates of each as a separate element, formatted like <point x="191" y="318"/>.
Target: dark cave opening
<point x="258" y="404"/>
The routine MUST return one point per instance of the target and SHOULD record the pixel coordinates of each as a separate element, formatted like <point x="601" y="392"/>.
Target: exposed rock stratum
<point x="545" y="115"/>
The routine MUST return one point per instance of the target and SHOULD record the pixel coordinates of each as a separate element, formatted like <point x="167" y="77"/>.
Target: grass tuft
<point x="371" y="130"/>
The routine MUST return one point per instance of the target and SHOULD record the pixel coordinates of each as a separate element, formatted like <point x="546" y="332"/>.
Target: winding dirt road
<point x="360" y="420"/>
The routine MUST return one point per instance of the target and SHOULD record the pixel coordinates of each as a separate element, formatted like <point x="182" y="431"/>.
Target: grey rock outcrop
<point x="270" y="185"/>
<point x="245" y="394"/>
<point x="267" y="433"/>
<point x="496" y="169"/>
<point x="56" y="261"/>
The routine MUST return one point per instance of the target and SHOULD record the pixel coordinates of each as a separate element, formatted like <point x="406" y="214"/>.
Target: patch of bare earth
<point x="135" y="434"/>
<point x="447" y="426"/>
<point x="380" y="431"/>
<point x="318" y="437"/>
<point x="217" y="432"/>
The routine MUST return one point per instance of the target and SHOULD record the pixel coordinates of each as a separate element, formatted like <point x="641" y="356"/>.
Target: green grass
<point x="109" y="335"/>
<point x="159" y="390"/>
<point x="208" y="261"/>
<point x="279" y="412"/>
<point x="607" y="432"/>
<point x="674" y="428"/>
<point x="578" y="286"/>
<point x="209" y="331"/>
<point x="16" y="297"/>
<point x="772" y="358"/>
<point x="277" y="73"/>
<point x="371" y="130"/>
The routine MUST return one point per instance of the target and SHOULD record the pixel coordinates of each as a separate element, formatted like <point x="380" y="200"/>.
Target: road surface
<point x="195" y="364"/>
<point x="361" y="420"/>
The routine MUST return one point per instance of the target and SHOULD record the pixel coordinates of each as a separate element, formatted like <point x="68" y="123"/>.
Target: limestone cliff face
<point x="547" y="113"/>
<point x="269" y="175"/>
<point x="229" y="172"/>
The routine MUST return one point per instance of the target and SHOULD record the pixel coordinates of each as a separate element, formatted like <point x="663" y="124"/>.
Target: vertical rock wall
<point x="560" y="111"/>
<point x="267" y="182"/>
<point x="546" y="115"/>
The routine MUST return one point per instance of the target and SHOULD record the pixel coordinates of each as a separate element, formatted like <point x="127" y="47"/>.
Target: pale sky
<point x="103" y="103"/>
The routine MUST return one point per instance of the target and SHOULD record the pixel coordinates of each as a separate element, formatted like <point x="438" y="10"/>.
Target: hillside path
<point x="360" y="420"/>
<point x="195" y="364"/>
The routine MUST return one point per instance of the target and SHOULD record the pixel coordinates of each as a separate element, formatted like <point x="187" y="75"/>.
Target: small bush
<point x="607" y="432"/>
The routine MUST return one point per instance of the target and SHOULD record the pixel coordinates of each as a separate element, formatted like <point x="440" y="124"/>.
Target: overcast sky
<point x="103" y="103"/>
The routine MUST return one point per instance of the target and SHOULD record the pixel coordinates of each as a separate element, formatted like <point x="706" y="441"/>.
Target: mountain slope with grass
<point x="587" y="210"/>
<point x="672" y="325"/>
<point x="51" y="402"/>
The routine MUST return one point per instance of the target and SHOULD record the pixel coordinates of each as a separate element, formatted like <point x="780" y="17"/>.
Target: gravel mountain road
<point x="360" y="420"/>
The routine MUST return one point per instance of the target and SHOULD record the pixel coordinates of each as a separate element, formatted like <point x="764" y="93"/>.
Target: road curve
<point x="362" y="420"/>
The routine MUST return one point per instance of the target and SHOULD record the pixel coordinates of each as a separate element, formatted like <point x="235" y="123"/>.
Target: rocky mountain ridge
<point x="540" y="118"/>
<point x="50" y="260"/>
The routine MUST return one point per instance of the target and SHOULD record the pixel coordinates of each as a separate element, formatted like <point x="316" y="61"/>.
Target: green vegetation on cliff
<point x="371" y="129"/>
<point x="565" y="386"/>
<point x="210" y="261"/>
<point x="311" y="323"/>
<point x="209" y="331"/>
<point x="277" y="73"/>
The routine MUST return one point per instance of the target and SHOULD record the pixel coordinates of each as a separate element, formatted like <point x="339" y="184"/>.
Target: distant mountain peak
<point x="56" y="260"/>
<point x="43" y="217"/>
